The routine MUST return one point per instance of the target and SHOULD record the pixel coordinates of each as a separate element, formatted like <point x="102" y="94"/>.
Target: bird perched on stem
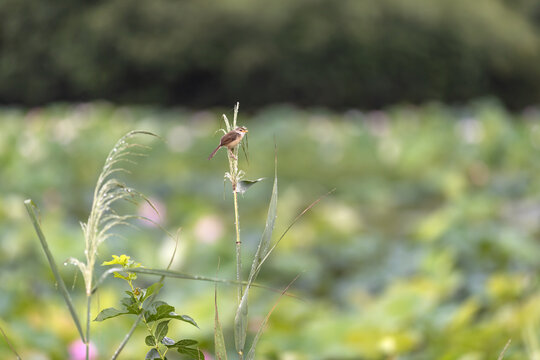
<point x="230" y="140"/>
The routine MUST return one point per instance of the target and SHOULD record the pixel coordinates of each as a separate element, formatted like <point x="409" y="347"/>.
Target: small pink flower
<point x="209" y="229"/>
<point x="77" y="351"/>
<point x="207" y="355"/>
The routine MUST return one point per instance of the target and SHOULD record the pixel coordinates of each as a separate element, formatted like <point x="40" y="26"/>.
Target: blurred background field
<point x="423" y="115"/>
<point x="428" y="249"/>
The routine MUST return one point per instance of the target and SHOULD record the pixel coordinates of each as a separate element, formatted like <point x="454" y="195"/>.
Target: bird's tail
<point x="214" y="152"/>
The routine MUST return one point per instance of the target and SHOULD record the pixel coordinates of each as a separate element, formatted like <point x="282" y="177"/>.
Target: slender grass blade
<point x="9" y="343"/>
<point x="219" y="340"/>
<point x="30" y="206"/>
<point x="241" y="317"/>
<point x="251" y="353"/>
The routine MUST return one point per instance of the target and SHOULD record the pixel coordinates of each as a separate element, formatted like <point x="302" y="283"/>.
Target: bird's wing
<point x="228" y="138"/>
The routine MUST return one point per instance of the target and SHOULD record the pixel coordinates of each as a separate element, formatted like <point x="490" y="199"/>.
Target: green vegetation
<point x="428" y="249"/>
<point x="343" y="53"/>
<point x="154" y="315"/>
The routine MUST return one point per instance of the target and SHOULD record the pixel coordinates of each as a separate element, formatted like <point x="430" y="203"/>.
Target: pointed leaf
<point x="168" y="341"/>
<point x="240" y="319"/>
<point x="109" y="313"/>
<point x="153" y="308"/>
<point x="152" y="354"/>
<point x="240" y="323"/>
<point x="162" y="329"/>
<point x="186" y="342"/>
<point x="185" y="318"/>
<point x="219" y="340"/>
<point x="131" y="305"/>
<point x="192" y="353"/>
<point x="244" y="185"/>
<point x="266" y="237"/>
<point x="158" y="310"/>
<point x="30" y="208"/>
<point x="179" y="275"/>
<point x="251" y="353"/>
<point x="154" y="288"/>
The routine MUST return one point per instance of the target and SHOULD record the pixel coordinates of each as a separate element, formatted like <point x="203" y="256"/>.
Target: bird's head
<point x="241" y="130"/>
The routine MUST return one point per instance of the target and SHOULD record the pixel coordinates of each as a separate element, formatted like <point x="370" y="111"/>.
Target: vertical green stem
<point x="88" y="305"/>
<point x="238" y="247"/>
<point x="148" y="328"/>
<point x="126" y="338"/>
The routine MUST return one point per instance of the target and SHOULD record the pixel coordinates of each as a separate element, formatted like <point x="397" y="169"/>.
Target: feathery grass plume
<point x="109" y="189"/>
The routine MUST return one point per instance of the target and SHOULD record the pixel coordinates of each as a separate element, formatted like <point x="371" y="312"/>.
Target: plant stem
<point x="152" y="334"/>
<point x="238" y="244"/>
<point x="88" y="304"/>
<point x="126" y="338"/>
<point x="140" y="306"/>
<point x="238" y="247"/>
<point x="9" y="343"/>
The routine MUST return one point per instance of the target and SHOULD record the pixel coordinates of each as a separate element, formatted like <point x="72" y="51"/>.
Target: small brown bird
<point x="230" y="140"/>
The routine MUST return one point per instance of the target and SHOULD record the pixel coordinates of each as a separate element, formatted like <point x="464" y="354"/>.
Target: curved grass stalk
<point x="11" y="347"/>
<point x="251" y="353"/>
<point x="30" y="208"/>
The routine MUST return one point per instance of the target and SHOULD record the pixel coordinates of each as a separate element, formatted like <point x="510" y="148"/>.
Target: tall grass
<point x="264" y="249"/>
<point x="109" y="190"/>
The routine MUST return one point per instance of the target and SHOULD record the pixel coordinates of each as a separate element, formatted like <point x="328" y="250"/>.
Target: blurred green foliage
<point x="428" y="249"/>
<point x="202" y="53"/>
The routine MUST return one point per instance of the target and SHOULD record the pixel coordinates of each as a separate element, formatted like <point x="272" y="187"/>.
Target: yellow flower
<point x="118" y="260"/>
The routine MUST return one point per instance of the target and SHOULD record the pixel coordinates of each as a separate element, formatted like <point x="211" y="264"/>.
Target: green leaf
<point x="219" y="340"/>
<point x="152" y="354"/>
<point x="131" y="306"/>
<point x="118" y="275"/>
<point x="158" y="310"/>
<point x="186" y="342"/>
<point x="240" y="323"/>
<point x="109" y="313"/>
<point x="30" y="208"/>
<point x="240" y="319"/>
<point x="185" y="318"/>
<point x="167" y="341"/>
<point x="161" y="310"/>
<point x="154" y="288"/>
<point x="192" y="353"/>
<point x="153" y="308"/>
<point x="161" y="330"/>
<point x="150" y="340"/>
<point x="179" y="275"/>
<point x="244" y="185"/>
<point x="264" y="243"/>
<point x="128" y="301"/>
